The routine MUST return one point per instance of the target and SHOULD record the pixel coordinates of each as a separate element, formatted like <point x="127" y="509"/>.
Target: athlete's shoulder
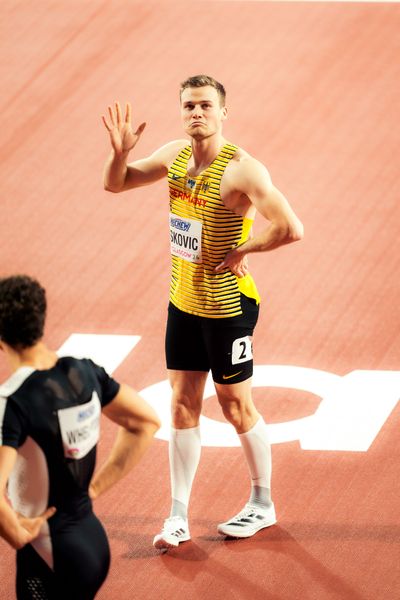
<point x="15" y="381"/>
<point x="240" y="153"/>
<point x="169" y="151"/>
<point x="77" y="367"/>
<point x="244" y="159"/>
<point x="245" y="166"/>
<point x="175" y="145"/>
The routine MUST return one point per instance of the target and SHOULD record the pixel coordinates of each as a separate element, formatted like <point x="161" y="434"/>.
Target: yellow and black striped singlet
<point x="202" y="231"/>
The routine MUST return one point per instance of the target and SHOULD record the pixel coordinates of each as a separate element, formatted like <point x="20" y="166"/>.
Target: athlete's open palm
<point x="122" y="137"/>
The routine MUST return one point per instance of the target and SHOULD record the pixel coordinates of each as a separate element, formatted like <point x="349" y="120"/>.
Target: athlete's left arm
<point x="138" y="423"/>
<point x="284" y="226"/>
<point x="16" y="529"/>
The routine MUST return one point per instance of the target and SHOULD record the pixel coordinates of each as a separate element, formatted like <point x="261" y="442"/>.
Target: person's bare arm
<point x="284" y="227"/>
<point x="119" y="175"/>
<point x="16" y="529"/>
<point x="138" y="423"/>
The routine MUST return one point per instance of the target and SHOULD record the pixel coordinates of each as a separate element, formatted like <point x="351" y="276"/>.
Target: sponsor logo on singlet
<point x="180" y="224"/>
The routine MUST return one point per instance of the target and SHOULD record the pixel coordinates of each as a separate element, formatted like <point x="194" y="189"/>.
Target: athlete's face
<point x="201" y="111"/>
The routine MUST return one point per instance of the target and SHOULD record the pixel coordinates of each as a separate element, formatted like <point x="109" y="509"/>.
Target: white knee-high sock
<point x="257" y="450"/>
<point x="184" y="457"/>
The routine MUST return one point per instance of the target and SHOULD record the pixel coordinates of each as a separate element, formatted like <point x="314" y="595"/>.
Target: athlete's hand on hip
<point x="31" y="525"/>
<point x="236" y="262"/>
<point x="123" y="139"/>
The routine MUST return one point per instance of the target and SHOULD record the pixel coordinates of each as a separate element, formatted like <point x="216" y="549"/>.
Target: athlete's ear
<point x="224" y="113"/>
<point x="3" y="346"/>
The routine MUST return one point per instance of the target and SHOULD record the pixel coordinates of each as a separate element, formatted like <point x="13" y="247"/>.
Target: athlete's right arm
<point x="138" y="423"/>
<point x="119" y="175"/>
<point x="16" y="529"/>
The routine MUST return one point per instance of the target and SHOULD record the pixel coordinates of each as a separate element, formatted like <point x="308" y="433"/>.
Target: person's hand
<point x="32" y="525"/>
<point x="122" y="138"/>
<point x="236" y="262"/>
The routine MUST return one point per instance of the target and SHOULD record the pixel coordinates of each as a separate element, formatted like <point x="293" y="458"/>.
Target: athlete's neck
<point x="204" y="151"/>
<point x="38" y="356"/>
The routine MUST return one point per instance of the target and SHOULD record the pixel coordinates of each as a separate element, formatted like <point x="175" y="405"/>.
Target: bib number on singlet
<point x="185" y="237"/>
<point x="80" y="427"/>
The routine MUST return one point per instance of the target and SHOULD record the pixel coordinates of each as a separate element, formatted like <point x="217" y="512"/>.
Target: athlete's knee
<point x="234" y="412"/>
<point x="185" y="411"/>
<point x="240" y="412"/>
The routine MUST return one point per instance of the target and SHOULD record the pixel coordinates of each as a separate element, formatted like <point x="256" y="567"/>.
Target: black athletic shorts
<point x="223" y="345"/>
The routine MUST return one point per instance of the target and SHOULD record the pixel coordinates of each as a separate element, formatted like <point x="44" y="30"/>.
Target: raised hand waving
<point x="123" y="139"/>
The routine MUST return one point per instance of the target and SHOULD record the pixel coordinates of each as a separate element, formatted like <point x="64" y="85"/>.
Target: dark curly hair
<point x="22" y="311"/>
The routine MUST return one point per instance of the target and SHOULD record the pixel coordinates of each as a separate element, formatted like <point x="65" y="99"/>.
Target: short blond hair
<point x="202" y="81"/>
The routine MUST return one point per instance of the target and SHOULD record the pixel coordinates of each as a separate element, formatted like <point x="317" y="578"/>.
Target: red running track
<point x="312" y="92"/>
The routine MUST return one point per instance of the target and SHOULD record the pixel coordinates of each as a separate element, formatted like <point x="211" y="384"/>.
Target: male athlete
<point x="49" y="429"/>
<point x="215" y="190"/>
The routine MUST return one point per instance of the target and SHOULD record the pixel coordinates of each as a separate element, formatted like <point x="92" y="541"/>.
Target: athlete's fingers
<point x="32" y="521"/>
<point x="111" y="113"/>
<point x="49" y="513"/>
<point x="237" y="271"/>
<point x="242" y="268"/>
<point x="220" y="267"/>
<point x="128" y="112"/>
<point x="118" y="113"/>
<point x="140" y="129"/>
<point x="107" y="126"/>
